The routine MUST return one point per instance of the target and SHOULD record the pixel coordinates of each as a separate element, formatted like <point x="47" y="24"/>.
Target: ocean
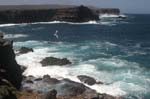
<point x="115" y="52"/>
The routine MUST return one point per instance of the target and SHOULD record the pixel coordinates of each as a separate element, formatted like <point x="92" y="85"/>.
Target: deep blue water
<point x="117" y="52"/>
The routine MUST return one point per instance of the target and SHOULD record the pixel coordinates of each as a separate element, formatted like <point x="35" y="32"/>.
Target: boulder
<point x="86" y="79"/>
<point x="54" y="61"/>
<point x="51" y="94"/>
<point x="72" y="88"/>
<point x="24" y="50"/>
<point x="48" y="79"/>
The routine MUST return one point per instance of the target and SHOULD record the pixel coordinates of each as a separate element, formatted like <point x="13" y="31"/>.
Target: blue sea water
<point x="115" y="52"/>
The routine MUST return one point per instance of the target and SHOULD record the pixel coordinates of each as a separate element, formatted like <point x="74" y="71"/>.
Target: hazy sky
<point x="126" y="6"/>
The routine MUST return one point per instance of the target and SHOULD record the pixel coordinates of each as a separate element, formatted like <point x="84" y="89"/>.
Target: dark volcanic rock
<point x="106" y="96"/>
<point x="48" y="79"/>
<point x="9" y="68"/>
<point x="72" y="88"/>
<point x="65" y="89"/>
<point x="77" y="14"/>
<point x="86" y="79"/>
<point x="24" y="50"/>
<point x="55" y="61"/>
<point x="69" y="14"/>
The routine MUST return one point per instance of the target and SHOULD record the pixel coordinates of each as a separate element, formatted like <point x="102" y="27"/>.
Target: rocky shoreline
<point x="13" y="85"/>
<point x="19" y="14"/>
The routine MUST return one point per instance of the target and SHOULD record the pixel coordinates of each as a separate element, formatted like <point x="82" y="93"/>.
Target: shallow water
<point x="116" y="53"/>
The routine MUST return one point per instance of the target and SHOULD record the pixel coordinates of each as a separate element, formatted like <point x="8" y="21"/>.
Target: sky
<point x="126" y="6"/>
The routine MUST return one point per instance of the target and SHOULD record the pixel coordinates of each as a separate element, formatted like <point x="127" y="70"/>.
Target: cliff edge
<point x="69" y="14"/>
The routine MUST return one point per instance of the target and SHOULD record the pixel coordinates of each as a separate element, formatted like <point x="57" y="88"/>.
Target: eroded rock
<point x="86" y="79"/>
<point x="54" y="61"/>
<point x="24" y="50"/>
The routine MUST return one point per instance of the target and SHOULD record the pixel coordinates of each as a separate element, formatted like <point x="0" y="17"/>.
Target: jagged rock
<point x="54" y="61"/>
<point x="12" y="71"/>
<point x="48" y="79"/>
<point x="38" y="79"/>
<point x="99" y="82"/>
<point x="72" y="88"/>
<point x="51" y="94"/>
<point x="24" y="50"/>
<point x="86" y="79"/>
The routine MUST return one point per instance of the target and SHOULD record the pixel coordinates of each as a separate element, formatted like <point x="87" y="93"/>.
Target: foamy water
<point x="109" y="51"/>
<point x="12" y="36"/>
<point x="115" y="83"/>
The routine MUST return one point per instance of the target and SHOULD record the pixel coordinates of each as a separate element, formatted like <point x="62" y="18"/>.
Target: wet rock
<point x="48" y="79"/>
<point x="106" y="96"/>
<point x="86" y="79"/>
<point x="69" y="87"/>
<point x="24" y="50"/>
<point x="29" y="79"/>
<point x="54" y="61"/>
<point x="38" y="79"/>
<point x="51" y="94"/>
<point x="99" y="82"/>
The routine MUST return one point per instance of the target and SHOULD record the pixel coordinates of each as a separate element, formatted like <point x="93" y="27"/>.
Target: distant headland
<point x="45" y="13"/>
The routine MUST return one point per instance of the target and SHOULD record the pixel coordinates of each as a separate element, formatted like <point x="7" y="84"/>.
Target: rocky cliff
<point x="9" y="69"/>
<point x="69" y="14"/>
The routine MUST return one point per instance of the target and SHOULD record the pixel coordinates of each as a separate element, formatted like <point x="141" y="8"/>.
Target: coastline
<point x="37" y="13"/>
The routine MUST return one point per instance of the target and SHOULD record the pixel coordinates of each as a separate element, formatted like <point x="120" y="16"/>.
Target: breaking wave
<point x="12" y="36"/>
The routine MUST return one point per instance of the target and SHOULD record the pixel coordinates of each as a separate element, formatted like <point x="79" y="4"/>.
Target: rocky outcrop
<point x="54" y="61"/>
<point x="77" y="14"/>
<point x="62" y="89"/>
<point x="69" y="14"/>
<point x="9" y="69"/>
<point x="24" y="50"/>
<point x="88" y="80"/>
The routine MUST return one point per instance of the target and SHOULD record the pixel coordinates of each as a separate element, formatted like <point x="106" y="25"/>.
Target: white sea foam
<point x="116" y="82"/>
<point x="57" y="22"/>
<point x="9" y="25"/>
<point x="111" y="16"/>
<point x="10" y="36"/>
<point x="75" y="23"/>
<point x="5" y="25"/>
<point x="30" y="43"/>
